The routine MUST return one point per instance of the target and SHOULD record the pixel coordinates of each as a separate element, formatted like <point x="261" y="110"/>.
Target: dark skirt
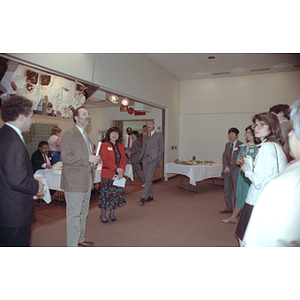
<point x="111" y="196"/>
<point x="244" y="220"/>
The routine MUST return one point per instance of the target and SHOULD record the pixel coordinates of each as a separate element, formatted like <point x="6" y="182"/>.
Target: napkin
<point x="119" y="182"/>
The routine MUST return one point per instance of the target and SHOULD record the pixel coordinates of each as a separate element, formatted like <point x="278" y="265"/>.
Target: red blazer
<point x="109" y="160"/>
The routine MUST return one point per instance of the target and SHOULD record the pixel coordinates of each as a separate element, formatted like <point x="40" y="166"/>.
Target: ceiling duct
<point x="142" y="107"/>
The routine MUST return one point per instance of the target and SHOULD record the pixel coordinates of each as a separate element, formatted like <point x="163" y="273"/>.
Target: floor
<point x="56" y="210"/>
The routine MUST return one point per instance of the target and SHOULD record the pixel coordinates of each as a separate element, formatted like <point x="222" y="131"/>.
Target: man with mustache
<point x="77" y="176"/>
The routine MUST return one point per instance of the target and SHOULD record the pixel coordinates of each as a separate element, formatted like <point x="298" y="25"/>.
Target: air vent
<point x="225" y="73"/>
<point x="259" y="70"/>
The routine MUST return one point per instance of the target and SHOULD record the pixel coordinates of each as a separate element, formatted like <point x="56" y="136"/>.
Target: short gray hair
<point x="295" y="117"/>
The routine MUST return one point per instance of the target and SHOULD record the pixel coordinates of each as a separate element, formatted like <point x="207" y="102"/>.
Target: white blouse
<point x="265" y="168"/>
<point x="275" y="219"/>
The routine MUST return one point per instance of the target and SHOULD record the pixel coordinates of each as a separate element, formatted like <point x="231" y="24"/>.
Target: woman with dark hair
<point x="54" y="143"/>
<point x="114" y="161"/>
<point x="243" y="183"/>
<point x="269" y="161"/>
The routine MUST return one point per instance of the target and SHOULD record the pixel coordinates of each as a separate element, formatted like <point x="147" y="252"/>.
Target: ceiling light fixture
<point x="125" y="102"/>
<point x="114" y="99"/>
<point x="200" y="72"/>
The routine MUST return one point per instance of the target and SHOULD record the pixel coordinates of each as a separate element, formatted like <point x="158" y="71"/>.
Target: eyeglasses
<point x="259" y="126"/>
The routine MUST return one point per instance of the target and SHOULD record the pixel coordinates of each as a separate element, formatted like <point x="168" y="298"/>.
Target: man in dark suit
<point x="16" y="175"/>
<point x="282" y="112"/>
<point x="230" y="168"/>
<point x="42" y="157"/>
<point x="141" y="135"/>
<point x="134" y="155"/>
<point x="153" y="149"/>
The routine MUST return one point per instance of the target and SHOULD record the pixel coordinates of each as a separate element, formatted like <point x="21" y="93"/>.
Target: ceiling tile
<point x="161" y="56"/>
<point x="217" y="66"/>
<point x="170" y="62"/>
<point x="188" y="59"/>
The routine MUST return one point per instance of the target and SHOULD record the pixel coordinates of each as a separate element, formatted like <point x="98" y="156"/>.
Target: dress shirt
<point x="150" y="133"/>
<point x="19" y="132"/>
<point x="84" y="134"/>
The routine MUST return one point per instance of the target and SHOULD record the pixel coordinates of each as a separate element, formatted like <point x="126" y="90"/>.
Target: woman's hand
<point x="244" y="168"/>
<point x="120" y="173"/>
<point x="240" y="161"/>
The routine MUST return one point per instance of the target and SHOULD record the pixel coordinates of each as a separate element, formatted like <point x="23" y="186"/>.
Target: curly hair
<point x="114" y="129"/>
<point x="55" y="130"/>
<point x="15" y="106"/>
<point x="272" y="121"/>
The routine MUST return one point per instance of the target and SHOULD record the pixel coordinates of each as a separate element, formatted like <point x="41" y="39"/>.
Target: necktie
<point x="128" y="142"/>
<point x="149" y="135"/>
<point x="229" y="154"/>
<point x="45" y="159"/>
<point x="87" y="142"/>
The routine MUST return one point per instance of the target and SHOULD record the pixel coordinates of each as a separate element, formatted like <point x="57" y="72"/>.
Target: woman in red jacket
<point x="113" y="156"/>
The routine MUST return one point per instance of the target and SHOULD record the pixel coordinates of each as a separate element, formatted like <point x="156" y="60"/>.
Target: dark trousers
<point x="230" y="180"/>
<point x="15" y="237"/>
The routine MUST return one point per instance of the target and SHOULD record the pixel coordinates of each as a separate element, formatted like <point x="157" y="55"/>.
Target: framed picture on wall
<point x="52" y="94"/>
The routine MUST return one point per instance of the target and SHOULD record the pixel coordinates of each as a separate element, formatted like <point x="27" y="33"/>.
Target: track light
<point x="114" y="99"/>
<point x="125" y="102"/>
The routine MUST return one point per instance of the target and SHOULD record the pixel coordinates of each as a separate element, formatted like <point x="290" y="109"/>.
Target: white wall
<point x="103" y="119"/>
<point x="133" y="75"/>
<point x="209" y="107"/>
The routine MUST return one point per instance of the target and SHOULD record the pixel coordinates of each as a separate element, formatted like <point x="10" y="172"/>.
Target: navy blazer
<point x="16" y="181"/>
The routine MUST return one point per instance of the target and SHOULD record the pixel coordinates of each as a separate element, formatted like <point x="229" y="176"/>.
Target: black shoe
<point x="149" y="199"/>
<point x="103" y="221"/>
<point x="142" y="201"/>
<point x="113" y="219"/>
<point x="226" y="211"/>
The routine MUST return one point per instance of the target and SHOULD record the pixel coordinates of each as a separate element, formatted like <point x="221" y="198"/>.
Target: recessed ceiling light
<point x="200" y="72"/>
<point x="239" y="68"/>
<point x="211" y="57"/>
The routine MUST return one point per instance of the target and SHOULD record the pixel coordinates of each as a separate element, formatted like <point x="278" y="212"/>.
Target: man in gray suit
<point x="77" y="176"/>
<point x="282" y="111"/>
<point x="230" y="168"/>
<point x="134" y="155"/>
<point x="152" y="152"/>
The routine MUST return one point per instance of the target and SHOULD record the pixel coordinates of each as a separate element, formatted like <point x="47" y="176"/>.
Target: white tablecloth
<point x="46" y="196"/>
<point x="195" y="172"/>
<point x="52" y="177"/>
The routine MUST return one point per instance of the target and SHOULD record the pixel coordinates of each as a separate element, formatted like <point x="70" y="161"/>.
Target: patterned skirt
<point x="111" y="196"/>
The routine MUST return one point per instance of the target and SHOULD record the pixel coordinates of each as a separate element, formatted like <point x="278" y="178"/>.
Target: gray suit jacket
<point x="77" y="170"/>
<point x="236" y="150"/>
<point x="286" y="127"/>
<point x="156" y="147"/>
<point x="135" y="151"/>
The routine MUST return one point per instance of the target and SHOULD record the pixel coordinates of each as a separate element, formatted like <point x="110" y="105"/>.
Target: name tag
<point x="251" y="151"/>
<point x="235" y="149"/>
<point x="110" y="148"/>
